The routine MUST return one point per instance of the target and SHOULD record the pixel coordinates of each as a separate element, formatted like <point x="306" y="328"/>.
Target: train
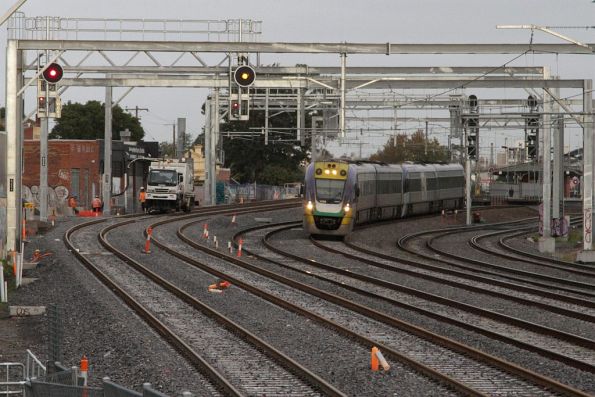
<point x="339" y="194"/>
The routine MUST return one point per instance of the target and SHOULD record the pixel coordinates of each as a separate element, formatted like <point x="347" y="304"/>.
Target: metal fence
<point x="34" y="380"/>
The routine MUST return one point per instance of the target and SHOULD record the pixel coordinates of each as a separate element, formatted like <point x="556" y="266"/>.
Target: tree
<point x="411" y="148"/>
<point x="168" y="149"/>
<point x="250" y="160"/>
<point x="87" y="121"/>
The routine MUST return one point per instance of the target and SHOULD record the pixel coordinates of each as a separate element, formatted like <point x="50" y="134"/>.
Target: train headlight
<point x="334" y="172"/>
<point x="310" y="206"/>
<point x="347" y="208"/>
<point x="327" y="172"/>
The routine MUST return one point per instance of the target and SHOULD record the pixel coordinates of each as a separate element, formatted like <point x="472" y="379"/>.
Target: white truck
<point x="170" y="185"/>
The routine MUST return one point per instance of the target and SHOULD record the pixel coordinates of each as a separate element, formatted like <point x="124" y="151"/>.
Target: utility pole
<point x="426" y="140"/>
<point x="174" y="135"/>
<point x="136" y="109"/>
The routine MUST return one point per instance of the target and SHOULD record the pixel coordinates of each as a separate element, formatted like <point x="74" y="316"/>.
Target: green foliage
<point x="411" y="148"/>
<point x="250" y="160"/>
<point x="8" y="274"/>
<point x="87" y="121"/>
<point x="168" y="149"/>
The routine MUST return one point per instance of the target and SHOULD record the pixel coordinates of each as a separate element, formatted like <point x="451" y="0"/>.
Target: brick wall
<point x="64" y="158"/>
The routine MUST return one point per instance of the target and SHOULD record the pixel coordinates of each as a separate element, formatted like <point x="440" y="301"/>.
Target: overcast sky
<point x="419" y="21"/>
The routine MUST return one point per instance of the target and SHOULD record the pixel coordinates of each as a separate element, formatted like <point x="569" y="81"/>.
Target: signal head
<point x="53" y="73"/>
<point x="473" y="101"/>
<point x="244" y="76"/>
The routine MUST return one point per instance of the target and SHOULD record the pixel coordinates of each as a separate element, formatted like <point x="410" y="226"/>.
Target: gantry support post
<point x="107" y="153"/>
<point x="587" y="255"/>
<point x="558" y="184"/>
<point x="207" y="144"/>
<point x="213" y="147"/>
<point x="14" y="142"/>
<point x="547" y="243"/>
<point x="343" y="96"/>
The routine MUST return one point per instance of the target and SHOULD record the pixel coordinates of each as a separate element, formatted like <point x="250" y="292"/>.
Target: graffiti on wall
<point x="57" y="196"/>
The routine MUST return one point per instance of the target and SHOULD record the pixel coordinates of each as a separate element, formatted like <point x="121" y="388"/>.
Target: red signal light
<point x="235" y="105"/>
<point x="53" y="73"/>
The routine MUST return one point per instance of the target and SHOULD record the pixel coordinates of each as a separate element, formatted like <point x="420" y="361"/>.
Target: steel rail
<point x="537" y="378"/>
<point x="575" y="265"/>
<point x="299" y="310"/>
<point x="430" y="243"/>
<point x="185" y="350"/>
<point x="544" y="261"/>
<point x="229" y="324"/>
<point x="401" y="244"/>
<point x="571" y="338"/>
<point x="421" y="332"/>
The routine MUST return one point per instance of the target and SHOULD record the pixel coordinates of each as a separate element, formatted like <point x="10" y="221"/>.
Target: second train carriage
<point x="340" y="194"/>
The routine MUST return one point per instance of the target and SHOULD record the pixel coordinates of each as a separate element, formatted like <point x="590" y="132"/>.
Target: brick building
<point x="73" y="168"/>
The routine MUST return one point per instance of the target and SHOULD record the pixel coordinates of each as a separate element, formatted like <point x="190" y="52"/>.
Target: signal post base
<point x="547" y="244"/>
<point x="586" y="256"/>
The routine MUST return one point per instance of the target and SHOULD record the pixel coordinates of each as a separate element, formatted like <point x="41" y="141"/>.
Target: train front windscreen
<point x="329" y="191"/>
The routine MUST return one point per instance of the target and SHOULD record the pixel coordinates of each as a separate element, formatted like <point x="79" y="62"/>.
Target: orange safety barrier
<point x="223" y="284"/>
<point x="84" y="369"/>
<point x="374" y="359"/>
<point x="205" y="230"/>
<point x="14" y="262"/>
<point x="378" y="359"/>
<point x="37" y="255"/>
<point x="240" y="248"/>
<point x="148" y="241"/>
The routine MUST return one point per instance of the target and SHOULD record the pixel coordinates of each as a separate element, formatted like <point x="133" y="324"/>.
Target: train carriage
<point x="340" y="194"/>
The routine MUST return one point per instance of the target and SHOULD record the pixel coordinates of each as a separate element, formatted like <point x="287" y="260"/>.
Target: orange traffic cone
<point x="148" y="241"/>
<point x="374" y="361"/>
<point x="240" y="248"/>
<point x="84" y="369"/>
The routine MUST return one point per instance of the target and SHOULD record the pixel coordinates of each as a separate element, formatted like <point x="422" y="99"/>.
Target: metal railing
<point x="21" y="27"/>
<point x="33" y="367"/>
<point x="12" y="383"/>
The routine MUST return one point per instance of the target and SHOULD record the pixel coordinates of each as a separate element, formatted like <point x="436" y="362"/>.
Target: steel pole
<point x="588" y="166"/>
<point x="107" y="152"/>
<point x="43" y="167"/>
<point x="13" y="145"/>
<point x="207" y="144"/>
<point x="213" y="148"/>
<point x="343" y="95"/>
<point x="547" y="169"/>
<point x="467" y="180"/>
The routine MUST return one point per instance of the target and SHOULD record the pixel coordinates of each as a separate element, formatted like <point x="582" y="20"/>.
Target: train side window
<point x="357" y="191"/>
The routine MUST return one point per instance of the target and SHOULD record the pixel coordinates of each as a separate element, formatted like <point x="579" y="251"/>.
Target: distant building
<point x="197" y="154"/>
<point x="75" y="167"/>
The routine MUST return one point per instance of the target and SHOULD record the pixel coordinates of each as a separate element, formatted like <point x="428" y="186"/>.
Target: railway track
<point x="469" y="372"/>
<point x="243" y="371"/>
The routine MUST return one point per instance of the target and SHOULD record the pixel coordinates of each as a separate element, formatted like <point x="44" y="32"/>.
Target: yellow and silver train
<point x="340" y="194"/>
